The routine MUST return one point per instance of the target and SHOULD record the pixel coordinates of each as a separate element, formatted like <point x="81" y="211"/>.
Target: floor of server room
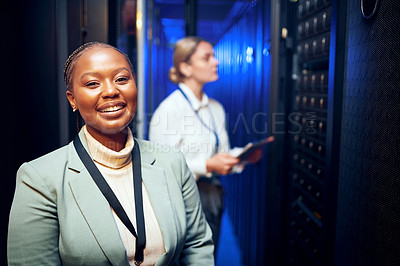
<point x="228" y="252"/>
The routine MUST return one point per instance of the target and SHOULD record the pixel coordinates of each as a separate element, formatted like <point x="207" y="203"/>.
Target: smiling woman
<point x="104" y="92"/>
<point x="107" y="198"/>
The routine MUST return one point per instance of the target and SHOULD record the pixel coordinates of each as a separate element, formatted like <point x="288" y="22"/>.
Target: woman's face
<point x="103" y="90"/>
<point x="203" y="64"/>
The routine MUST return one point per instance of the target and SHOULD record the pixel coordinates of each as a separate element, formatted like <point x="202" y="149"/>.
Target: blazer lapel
<point x="156" y="185"/>
<point x="96" y="210"/>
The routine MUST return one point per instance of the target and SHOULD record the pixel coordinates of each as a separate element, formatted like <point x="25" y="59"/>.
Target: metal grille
<point x="307" y="181"/>
<point x="369" y="180"/>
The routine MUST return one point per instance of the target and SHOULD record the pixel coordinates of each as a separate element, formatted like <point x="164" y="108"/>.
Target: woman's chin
<point x="110" y="128"/>
<point x="115" y="130"/>
<point x="214" y="78"/>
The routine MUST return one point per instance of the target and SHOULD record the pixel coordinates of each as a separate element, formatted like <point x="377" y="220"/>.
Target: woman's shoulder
<point x="217" y="106"/>
<point x="215" y="103"/>
<point x="171" y="102"/>
<point x="49" y="163"/>
<point x="53" y="157"/>
<point x="47" y="172"/>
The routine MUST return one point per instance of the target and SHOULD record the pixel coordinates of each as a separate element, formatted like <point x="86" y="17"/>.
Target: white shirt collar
<point x="196" y="104"/>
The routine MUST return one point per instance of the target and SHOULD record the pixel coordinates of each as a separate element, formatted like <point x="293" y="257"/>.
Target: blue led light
<point x="249" y="55"/>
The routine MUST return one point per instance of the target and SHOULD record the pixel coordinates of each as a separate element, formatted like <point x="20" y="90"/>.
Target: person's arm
<point x="199" y="247"/>
<point x="33" y="231"/>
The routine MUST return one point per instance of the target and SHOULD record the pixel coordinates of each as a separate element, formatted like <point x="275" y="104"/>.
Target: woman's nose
<point x="110" y="90"/>
<point x="216" y="61"/>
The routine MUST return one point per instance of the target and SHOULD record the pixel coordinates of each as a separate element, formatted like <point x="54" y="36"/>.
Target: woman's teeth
<point x="111" y="109"/>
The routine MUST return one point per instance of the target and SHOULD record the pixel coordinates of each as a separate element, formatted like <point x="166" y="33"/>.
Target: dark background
<point x="29" y="124"/>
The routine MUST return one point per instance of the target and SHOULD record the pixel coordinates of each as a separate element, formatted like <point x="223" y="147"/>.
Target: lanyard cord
<point x="113" y="200"/>
<point x="201" y="120"/>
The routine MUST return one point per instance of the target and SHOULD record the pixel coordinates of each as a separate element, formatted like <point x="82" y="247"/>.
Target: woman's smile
<point x="112" y="109"/>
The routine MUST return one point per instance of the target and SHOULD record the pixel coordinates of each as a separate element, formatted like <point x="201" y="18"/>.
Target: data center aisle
<point x="229" y="252"/>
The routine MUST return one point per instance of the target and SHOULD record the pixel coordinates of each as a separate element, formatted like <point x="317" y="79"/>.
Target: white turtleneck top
<point x="116" y="168"/>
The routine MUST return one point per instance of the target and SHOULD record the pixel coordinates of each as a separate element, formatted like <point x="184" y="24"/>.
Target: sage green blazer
<point x="60" y="217"/>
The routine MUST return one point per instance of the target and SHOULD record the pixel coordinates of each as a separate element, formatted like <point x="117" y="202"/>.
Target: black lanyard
<point x="113" y="200"/>
<point x="214" y="129"/>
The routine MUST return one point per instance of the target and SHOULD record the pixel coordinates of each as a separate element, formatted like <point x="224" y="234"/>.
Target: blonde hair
<point x="184" y="49"/>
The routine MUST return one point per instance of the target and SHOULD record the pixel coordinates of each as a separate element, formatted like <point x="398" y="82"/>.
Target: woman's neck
<point x="196" y="87"/>
<point x="115" y="142"/>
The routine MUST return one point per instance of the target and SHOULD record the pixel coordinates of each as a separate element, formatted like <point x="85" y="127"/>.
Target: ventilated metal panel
<point x="369" y="178"/>
<point x="307" y="180"/>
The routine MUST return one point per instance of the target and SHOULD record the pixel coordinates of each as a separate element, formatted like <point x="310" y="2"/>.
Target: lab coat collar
<point x="196" y="104"/>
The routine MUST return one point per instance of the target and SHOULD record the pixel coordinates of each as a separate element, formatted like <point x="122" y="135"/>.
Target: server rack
<point x="308" y="118"/>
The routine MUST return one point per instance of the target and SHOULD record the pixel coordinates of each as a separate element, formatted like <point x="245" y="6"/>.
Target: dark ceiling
<point x="214" y="17"/>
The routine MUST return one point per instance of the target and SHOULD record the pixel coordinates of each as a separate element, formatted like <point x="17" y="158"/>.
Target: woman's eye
<point x="122" y="79"/>
<point x="91" y="84"/>
<point x="207" y="58"/>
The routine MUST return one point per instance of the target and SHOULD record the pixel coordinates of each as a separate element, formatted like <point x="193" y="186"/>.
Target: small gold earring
<point x="73" y="108"/>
